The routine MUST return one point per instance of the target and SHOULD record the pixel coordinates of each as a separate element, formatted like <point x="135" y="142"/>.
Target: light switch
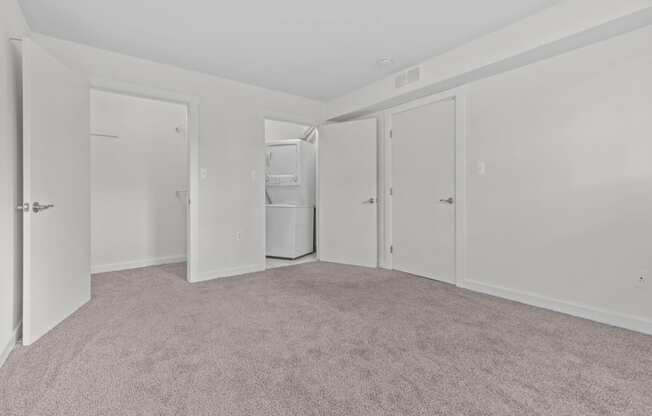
<point x="203" y="172"/>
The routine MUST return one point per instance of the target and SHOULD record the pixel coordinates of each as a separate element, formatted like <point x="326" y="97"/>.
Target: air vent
<point x="407" y="77"/>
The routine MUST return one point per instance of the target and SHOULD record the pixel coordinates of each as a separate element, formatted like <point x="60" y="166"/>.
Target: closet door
<point x="56" y="212"/>
<point x="348" y="193"/>
<point x="423" y="183"/>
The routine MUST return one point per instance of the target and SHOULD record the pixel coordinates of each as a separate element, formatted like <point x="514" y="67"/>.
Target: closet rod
<point x="104" y="135"/>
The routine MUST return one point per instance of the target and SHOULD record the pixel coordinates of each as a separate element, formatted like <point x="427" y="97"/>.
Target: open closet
<point x="290" y="192"/>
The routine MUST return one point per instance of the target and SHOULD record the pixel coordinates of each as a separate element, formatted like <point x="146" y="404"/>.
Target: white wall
<point x="231" y="146"/>
<point x="283" y="130"/>
<point x="564" y="211"/>
<point x="561" y="219"/>
<point x="11" y="24"/>
<point x="137" y="219"/>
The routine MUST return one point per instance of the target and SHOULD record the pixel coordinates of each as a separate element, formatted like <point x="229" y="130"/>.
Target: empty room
<point x="340" y="208"/>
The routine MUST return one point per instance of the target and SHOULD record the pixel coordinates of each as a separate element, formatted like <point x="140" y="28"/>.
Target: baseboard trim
<point x="631" y="322"/>
<point x="135" y="264"/>
<point x="9" y="347"/>
<point x="229" y="272"/>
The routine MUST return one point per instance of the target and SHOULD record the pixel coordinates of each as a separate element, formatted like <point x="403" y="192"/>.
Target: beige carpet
<point x="321" y="339"/>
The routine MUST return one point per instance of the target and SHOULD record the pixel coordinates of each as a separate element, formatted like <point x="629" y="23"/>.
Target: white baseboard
<point x="135" y="264"/>
<point x="10" y="345"/>
<point x="631" y="322"/>
<point x="228" y="272"/>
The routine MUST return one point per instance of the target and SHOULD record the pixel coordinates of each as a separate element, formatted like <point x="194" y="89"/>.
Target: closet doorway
<point x="139" y="183"/>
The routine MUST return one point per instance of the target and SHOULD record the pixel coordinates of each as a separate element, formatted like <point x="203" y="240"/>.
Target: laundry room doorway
<point x="290" y="193"/>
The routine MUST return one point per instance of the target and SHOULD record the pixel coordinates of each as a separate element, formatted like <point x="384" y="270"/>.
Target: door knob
<point x="447" y="201"/>
<point x="370" y="201"/>
<point x="36" y="207"/>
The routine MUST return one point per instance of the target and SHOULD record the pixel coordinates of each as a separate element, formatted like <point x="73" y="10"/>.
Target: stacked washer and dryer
<point x="290" y="191"/>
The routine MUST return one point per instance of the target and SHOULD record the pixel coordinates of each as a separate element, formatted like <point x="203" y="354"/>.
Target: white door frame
<point x="459" y="96"/>
<point x="192" y="104"/>
<point x="290" y="118"/>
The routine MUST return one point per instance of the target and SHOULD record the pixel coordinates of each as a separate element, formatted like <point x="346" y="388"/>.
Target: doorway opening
<point x="290" y="193"/>
<point x="139" y="183"/>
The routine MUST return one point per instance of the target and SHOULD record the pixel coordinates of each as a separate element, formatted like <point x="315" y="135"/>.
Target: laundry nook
<point x="290" y="190"/>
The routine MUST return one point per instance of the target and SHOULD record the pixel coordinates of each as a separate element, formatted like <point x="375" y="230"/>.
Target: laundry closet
<point x="290" y="191"/>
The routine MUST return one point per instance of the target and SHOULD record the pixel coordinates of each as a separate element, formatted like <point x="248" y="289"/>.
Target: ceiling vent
<point x="407" y="77"/>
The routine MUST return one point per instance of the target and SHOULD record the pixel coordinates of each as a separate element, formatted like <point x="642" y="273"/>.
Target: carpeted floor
<point x="321" y="339"/>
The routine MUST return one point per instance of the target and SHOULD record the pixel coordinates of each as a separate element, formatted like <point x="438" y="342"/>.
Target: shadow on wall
<point x="16" y="90"/>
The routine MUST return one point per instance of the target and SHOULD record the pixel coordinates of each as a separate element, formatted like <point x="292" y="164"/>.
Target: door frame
<point x="290" y="118"/>
<point x="192" y="106"/>
<point x="459" y="96"/>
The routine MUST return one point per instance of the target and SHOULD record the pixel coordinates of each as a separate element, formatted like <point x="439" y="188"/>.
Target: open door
<point x="347" y="214"/>
<point x="56" y="192"/>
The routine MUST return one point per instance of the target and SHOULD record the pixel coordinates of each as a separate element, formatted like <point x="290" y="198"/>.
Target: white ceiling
<point x="314" y="49"/>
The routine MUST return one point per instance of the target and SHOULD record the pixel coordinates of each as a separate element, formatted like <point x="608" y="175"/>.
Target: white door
<point x="56" y="239"/>
<point x="423" y="185"/>
<point x="348" y="189"/>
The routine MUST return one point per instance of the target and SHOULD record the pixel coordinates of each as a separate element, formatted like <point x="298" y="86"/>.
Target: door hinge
<point x="391" y="191"/>
<point x="391" y="249"/>
<point x="391" y="133"/>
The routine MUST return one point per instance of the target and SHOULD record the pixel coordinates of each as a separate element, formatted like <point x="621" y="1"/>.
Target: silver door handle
<point x="447" y="201"/>
<point x="370" y="201"/>
<point x="36" y="207"/>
